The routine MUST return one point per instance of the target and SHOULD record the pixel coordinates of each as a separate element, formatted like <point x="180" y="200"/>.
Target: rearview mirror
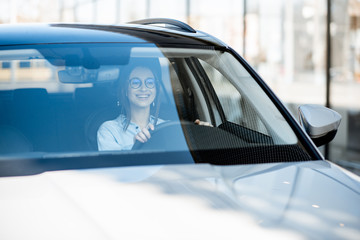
<point x="319" y="122"/>
<point x="79" y="74"/>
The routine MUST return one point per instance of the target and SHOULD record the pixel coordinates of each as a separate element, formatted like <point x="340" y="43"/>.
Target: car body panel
<point x="22" y="34"/>
<point x="273" y="201"/>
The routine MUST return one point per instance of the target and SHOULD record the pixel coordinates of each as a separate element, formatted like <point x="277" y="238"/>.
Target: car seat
<point x="13" y="141"/>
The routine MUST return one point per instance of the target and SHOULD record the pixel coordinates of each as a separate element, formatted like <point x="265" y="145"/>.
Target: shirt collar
<point x="122" y="120"/>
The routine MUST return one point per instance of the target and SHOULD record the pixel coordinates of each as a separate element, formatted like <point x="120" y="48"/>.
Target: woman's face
<point x="141" y="88"/>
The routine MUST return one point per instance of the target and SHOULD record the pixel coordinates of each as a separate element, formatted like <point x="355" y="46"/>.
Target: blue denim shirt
<point x="111" y="134"/>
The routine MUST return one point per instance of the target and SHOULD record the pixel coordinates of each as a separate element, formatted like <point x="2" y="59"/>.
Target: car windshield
<point x="97" y="99"/>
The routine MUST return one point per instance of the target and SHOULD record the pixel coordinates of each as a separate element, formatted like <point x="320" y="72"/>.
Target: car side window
<point x="234" y="105"/>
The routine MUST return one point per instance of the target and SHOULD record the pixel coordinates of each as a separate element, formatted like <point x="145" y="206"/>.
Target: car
<point x="188" y="143"/>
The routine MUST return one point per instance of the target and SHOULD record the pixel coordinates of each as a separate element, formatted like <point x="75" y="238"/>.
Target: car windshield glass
<point x="126" y="98"/>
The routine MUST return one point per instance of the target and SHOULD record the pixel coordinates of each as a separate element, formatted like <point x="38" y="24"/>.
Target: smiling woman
<point x="138" y="96"/>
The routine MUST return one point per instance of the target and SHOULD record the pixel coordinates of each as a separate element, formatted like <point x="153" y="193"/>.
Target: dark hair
<point x="154" y="66"/>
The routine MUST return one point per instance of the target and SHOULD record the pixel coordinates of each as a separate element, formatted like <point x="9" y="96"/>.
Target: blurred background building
<point x="308" y="51"/>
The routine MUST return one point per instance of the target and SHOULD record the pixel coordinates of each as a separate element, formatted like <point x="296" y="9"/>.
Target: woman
<point x="138" y="94"/>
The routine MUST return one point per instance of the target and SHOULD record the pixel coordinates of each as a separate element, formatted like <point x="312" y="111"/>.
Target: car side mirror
<point x="319" y="122"/>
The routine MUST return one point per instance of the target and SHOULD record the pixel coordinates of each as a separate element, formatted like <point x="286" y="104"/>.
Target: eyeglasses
<point x="136" y="83"/>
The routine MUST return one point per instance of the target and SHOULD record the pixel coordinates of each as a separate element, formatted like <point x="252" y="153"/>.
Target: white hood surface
<point x="306" y="200"/>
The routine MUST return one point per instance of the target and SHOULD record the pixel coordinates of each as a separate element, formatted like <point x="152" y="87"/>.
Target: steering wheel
<point x="166" y="136"/>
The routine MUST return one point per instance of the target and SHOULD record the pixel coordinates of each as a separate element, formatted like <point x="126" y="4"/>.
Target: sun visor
<point x="79" y="74"/>
<point x="90" y="56"/>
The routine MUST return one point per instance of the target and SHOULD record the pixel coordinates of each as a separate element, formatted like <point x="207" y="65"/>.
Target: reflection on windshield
<point x="114" y="97"/>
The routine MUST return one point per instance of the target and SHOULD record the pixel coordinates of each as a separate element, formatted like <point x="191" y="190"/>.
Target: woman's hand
<point x="198" y="122"/>
<point x="144" y="135"/>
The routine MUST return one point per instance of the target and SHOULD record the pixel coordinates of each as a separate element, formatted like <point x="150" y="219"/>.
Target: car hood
<point x="299" y="200"/>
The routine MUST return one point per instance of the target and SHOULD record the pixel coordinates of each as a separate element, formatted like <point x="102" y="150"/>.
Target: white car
<point x="154" y="130"/>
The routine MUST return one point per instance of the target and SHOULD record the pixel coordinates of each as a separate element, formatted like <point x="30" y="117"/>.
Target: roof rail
<point x="169" y="23"/>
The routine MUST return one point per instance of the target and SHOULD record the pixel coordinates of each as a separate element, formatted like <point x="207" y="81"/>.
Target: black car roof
<point x="20" y="34"/>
